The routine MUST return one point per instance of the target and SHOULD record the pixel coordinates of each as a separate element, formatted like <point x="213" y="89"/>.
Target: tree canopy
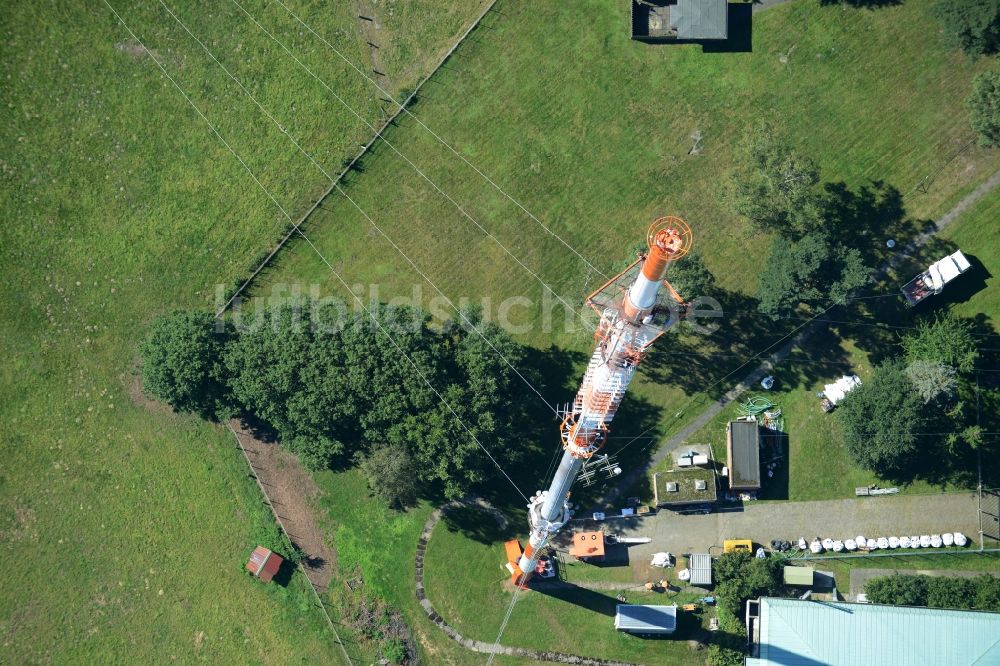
<point x="809" y="269"/>
<point x="182" y="363"/>
<point x="880" y="418"/>
<point x="972" y="25"/>
<point x="331" y="389"/>
<point x="979" y="593"/>
<point x="984" y="107"/>
<point x="690" y="277"/>
<point x="741" y="576"/>
<point x="944" y="339"/>
<point x="775" y="187"/>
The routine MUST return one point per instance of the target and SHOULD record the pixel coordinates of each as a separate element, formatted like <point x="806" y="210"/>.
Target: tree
<point x="391" y="475"/>
<point x="811" y="268"/>
<point x="972" y="25"/>
<point x="690" y="277"/>
<point x="932" y="379"/>
<point x="740" y="577"/>
<point x="980" y="593"/>
<point x="880" y="418"/>
<point x="182" y="363"/>
<point x="946" y="339"/>
<point x="775" y="187"/>
<point x="984" y="107"/>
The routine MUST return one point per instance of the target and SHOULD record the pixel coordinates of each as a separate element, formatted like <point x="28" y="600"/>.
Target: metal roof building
<point x="743" y="455"/>
<point x="701" y="569"/>
<point x="669" y="20"/>
<point x="264" y="564"/>
<point x="795" y="632"/>
<point x="637" y="619"/>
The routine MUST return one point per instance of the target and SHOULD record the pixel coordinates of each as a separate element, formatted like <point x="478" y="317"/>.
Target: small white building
<point x="639" y="619"/>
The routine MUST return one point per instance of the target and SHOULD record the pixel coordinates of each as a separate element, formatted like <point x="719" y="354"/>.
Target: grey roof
<point x="699" y="19"/>
<point x="646" y="619"/>
<point x="744" y="455"/>
<point x="701" y="568"/>
<point x="795" y="632"/>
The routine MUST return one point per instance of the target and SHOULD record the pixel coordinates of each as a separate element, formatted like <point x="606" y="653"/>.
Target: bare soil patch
<point x="293" y="493"/>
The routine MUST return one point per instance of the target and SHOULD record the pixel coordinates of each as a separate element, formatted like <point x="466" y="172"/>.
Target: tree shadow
<point x="478" y="524"/>
<point x="774" y="465"/>
<point x="865" y="218"/>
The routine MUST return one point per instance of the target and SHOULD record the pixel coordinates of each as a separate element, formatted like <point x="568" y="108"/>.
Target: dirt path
<point x="804" y="332"/>
<point x="293" y="493"/>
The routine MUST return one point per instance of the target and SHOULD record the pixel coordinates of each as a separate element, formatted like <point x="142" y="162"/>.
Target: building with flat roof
<point x="743" y="455"/>
<point x="588" y="546"/>
<point x="796" y="632"/>
<point x="798" y="576"/>
<point x="637" y="619"/>
<point x="690" y="480"/>
<point x="673" y="20"/>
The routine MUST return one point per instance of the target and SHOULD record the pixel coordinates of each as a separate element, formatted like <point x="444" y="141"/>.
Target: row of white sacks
<point x="861" y="543"/>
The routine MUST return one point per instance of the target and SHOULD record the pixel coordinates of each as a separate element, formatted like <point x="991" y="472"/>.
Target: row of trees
<point x="407" y="408"/>
<point x="928" y="388"/>
<point x="979" y="593"/>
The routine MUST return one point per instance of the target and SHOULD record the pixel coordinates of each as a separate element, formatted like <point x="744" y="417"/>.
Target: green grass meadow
<point x="595" y="144"/>
<point x="125" y="528"/>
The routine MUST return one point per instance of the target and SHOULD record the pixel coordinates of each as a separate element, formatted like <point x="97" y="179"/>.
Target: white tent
<point x="836" y="391"/>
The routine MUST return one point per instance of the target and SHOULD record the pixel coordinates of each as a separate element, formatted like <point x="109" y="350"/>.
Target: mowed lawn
<point x="591" y="133"/>
<point x="125" y="528"/>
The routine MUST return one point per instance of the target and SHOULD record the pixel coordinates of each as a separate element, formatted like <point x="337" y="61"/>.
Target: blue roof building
<point x="638" y="619"/>
<point x="796" y="632"/>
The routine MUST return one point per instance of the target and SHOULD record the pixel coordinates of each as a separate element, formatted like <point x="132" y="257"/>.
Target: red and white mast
<point x="633" y="314"/>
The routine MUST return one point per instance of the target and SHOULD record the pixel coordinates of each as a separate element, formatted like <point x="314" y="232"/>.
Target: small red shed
<point x="264" y="564"/>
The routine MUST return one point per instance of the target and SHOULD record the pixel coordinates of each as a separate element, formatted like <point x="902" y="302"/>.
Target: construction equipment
<point x="737" y="545"/>
<point x="634" y="313"/>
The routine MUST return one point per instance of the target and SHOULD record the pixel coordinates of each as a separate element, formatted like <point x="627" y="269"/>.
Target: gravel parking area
<point x="764" y="521"/>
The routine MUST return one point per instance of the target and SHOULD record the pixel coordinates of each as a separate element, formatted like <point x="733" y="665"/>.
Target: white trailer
<point x="934" y="279"/>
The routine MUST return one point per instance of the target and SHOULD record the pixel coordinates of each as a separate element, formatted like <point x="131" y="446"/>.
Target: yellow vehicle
<point x="737" y="545"/>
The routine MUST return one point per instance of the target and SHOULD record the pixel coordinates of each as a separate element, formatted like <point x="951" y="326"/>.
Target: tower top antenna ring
<point x="670" y="234"/>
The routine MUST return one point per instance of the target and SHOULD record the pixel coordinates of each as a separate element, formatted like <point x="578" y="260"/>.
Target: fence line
<point x="281" y="523"/>
<point x="350" y="165"/>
